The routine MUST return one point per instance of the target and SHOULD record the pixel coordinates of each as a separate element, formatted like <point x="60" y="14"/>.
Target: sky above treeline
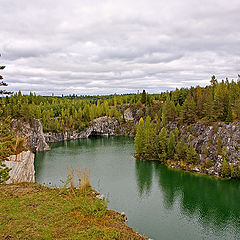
<point x="117" y="46"/>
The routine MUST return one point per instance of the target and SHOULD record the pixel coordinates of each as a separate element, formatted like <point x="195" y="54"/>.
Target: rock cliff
<point x="22" y="167"/>
<point x="204" y="139"/>
<point x="32" y="132"/>
<point x="103" y="126"/>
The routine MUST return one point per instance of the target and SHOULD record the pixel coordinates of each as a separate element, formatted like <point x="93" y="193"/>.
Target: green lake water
<point x="159" y="202"/>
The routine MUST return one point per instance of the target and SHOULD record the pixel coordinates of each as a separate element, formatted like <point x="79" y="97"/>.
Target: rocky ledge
<point x="103" y="126"/>
<point x="204" y="138"/>
<point x="22" y="166"/>
<point x="32" y="132"/>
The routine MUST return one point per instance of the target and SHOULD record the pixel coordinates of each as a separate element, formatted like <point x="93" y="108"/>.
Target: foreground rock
<point x="22" y="167"/>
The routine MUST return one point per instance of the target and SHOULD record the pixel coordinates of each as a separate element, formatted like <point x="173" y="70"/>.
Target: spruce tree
<point x="139" y="141"/>
<point x="4" y="136"/>
<point x="149" y="138"/>
<point x="181" y="150"/>
<point x="226" y="170"/>
<point x="192" y="156"/>
<point x="171" y="146"/>
<point x="163" y="142"/>
<point x="235" y="173"/>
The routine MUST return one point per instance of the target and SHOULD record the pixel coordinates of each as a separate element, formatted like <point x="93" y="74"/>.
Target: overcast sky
<point x="117" y="46"/>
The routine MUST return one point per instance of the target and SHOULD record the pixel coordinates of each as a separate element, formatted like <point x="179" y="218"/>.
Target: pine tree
<point x="229" y="117"/>
<point x="189" y="111"/>
<point x="143" y="97"/>
<point x="192" y="156"/>
<point x="168" y="111"/>
<point x="162" y="145"/>
<point x="149" y="138"/>
<point x="219" y="146"/>
<point x="3" y="83"/>
<point x="235" y="173"/>
<point x="171" y="146"/>
<point x="4" y="135"/>
<point x="226" y="170"/>
<point x="181" y="150"/>
<point x="139" y="141"/>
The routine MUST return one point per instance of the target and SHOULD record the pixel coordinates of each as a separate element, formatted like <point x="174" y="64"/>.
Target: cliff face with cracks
<point x="22" y="167"/>
<point x="103" y="126"/>
<point x="204" y="139"/>
<point x="32" y="132"/>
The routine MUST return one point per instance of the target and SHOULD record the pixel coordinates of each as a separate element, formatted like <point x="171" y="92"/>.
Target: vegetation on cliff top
<point x="219" y="101"/>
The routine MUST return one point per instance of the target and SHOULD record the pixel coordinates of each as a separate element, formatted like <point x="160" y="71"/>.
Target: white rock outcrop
<point x="22" y="167"/>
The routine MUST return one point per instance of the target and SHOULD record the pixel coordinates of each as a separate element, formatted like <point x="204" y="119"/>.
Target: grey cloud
<point x="102" y="47"/>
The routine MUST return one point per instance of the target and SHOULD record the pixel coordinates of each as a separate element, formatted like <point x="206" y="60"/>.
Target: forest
<point x="217" y="102"/>
<point x="220" y="101"/>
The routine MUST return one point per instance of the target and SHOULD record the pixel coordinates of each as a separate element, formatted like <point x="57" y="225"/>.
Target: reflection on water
<point x="163" y="203"/>
<point x="216" y="202"/>
<point x="144" y="176"/>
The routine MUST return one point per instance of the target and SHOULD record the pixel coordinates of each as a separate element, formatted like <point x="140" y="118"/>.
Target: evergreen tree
<point x="171" y="146"/>
<point x="181" y="150"/>
<point x="139" y="141"/>
<point x="168" y="111"/>
<point x="4" y="84"/>
<point x="189" y="111"/>
<point x="5" y="149"/>
<point x="149" y="138"/>
<point x="192" y="156"/>
<point x="226" y="170"/>
<point x="229" y="117"/>
<point x="219" y="146"/>
<point x="162" y="144"/>
<point x="235" y="173"/>
<point x="221" y="101"/>
<point x="143" y="97"/>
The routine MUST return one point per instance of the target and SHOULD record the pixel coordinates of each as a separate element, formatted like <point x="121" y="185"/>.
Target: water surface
<point x="160" y="202"/>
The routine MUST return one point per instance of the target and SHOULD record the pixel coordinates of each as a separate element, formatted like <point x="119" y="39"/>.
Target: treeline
<point x="220" y="101"/>
<point x="58" y="114"/>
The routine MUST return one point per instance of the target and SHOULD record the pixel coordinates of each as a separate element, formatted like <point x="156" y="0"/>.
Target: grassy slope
<point x="31" y="211"/>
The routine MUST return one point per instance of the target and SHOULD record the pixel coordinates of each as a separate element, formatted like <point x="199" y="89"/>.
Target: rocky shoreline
<point x="202" y="136"/>
<point x="207" y="139"/>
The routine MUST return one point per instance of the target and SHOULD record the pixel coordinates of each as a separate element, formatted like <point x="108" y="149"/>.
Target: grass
<point x="32" y="211"/>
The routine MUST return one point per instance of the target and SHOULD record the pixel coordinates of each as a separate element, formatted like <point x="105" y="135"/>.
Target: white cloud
<point x="102" y="47"/>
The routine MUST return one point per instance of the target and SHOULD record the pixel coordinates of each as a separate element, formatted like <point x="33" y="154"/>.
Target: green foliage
<point x="181" y="150"/>
<point x="226" y="170"/>
<point x="5" y="148"/>
<point x="162" y="144"/>
<point x="168" y="111"/>
<point x="143" y="97"/>
<point x="171" y="146"/>
<point x="192" y="156"/>
<point x="140" y="137"/>
<point x="189" y="110"/>
<point x="235" y="172"/>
